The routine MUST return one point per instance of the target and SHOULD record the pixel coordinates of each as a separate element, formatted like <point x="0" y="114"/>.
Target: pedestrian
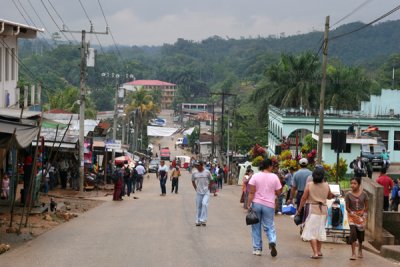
<point x="394" y="200"/>
<point x="226" y="170"/>
<point x="175" y="179"/>
<point x="289" y="181"/>
<point x="299" y="183"/>
<point x="315" y="195"/>
<point x="201" y="184"/>
<point x="141" y="171"/>
<point x="64" y="173"/>
<point x="5" y="186"/>
<point x="385" y="159"/>
<point x="220" y="176"/>
<point x="134" y="178"/>
<point x="163" y="176"/>
<point x="358" y="167"/>
<point x="51" y="170"/>
<point x="264" y="188"/>
<point x="246" y="187"/>
<point x="213" y="182"/>
<point x="118" y="178"/>
<point x="357" y="210"/>
<point x="387" y="184"/>
<point x="127" y="179"/>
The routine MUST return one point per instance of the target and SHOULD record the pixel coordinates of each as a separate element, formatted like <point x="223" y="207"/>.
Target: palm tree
<point x="142" y="102"/>
<point x="346" y="87"/>
<point x="290" y="83"/>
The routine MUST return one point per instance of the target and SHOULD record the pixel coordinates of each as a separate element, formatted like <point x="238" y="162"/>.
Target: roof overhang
<point x="19" y="30"/>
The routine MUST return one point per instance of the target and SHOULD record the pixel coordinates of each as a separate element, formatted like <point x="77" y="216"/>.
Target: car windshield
<point x="372" y="148"/>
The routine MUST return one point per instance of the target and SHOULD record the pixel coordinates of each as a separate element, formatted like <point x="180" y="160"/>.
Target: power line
<point x="84" y="10"/>
<point x="59" y="16"/>
<point x="352" y="12"/>
<point x="109" y="29"/>
<point x="368" y="24"/>
<point x="58" y="27"/>
<point x="41" y="40"/>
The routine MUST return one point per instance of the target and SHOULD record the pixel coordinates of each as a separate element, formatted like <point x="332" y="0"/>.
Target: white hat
<point x="303" y="162"/>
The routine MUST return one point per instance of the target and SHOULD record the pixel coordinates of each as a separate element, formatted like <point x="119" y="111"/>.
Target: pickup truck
<point x="165" y="154"/>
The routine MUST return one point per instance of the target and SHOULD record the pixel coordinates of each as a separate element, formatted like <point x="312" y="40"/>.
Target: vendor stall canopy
<point x="24" y="134"/>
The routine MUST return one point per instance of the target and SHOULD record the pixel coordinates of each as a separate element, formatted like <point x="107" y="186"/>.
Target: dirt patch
<point x="70" y="204"/>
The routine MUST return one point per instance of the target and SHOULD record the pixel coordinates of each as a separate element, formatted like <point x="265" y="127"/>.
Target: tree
<point x="346" y="87"/>
<point x="142" y="101"/>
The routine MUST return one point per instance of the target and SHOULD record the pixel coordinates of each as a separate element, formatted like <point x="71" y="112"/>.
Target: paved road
<point x="161" y="231"/>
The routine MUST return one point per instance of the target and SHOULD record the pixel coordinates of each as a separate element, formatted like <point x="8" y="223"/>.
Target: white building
<point x="10" y="32"/>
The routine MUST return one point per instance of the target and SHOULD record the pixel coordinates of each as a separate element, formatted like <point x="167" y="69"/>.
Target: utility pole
<point x="322" y="96"/>
<point x="84" y="53"/>
<point x="115" y="120"/>
<point x="213" y="131"/>
<point x="223" y="94"/>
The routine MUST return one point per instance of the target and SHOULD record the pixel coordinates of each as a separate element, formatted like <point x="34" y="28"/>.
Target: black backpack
<point x="337" y="214"/>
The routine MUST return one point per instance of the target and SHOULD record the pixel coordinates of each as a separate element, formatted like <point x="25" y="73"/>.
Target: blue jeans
<point x="202" y="207"/>
<point x="163" y="181"/>
<point x="266" y="216"/>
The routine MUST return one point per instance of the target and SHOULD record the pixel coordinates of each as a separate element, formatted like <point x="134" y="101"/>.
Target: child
<point x="5" y="185"/>
<point x="395" y="196"/>
<point x="357" y="208"/>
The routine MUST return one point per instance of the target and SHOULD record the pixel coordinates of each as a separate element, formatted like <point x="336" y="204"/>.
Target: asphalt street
<point x="161" y="231"/>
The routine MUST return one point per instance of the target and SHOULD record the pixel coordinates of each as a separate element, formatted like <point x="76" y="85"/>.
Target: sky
<point x="155" y="22"/>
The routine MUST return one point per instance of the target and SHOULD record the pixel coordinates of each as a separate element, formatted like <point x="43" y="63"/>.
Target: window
<point x="13" y="64"/>
<point x="384" y="135"/>
<point x="7" y="64"/>
<point x="396" y="140"/>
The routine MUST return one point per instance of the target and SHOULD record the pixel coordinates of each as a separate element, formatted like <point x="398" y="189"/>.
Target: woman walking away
<point x="315" y="195"/>
<point x="357" y="208"/>
<point x="175" y="179"/>
<point x="264" y="187"/>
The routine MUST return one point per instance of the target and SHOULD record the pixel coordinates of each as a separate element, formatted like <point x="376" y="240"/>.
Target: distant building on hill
<point x="167" y="90"/>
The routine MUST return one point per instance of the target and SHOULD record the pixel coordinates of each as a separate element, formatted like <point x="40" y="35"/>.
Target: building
<point x="167" y="90"/>
<point x="194" y="108"/>
<point x="10" y="32"/>
<point x="294" y="125"/>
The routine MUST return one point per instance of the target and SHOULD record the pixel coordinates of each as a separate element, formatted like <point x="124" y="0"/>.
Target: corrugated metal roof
<point x="16" y="113"/>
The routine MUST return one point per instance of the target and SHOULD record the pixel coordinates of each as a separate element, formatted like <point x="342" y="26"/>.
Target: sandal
<point x="353" y="258"/>
<point x="314" y="257"/>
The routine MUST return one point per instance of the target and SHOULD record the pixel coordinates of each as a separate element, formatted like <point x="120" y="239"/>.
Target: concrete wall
<point x="391" y="222"/>
<point x="374" y="226"/>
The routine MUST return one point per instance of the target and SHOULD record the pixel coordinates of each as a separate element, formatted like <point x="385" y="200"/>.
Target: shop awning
<point x="160" y="131"/>
<point x="24" y="134"/>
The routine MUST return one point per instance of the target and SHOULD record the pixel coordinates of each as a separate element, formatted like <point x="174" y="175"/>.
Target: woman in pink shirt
<point x="264" y="187"/>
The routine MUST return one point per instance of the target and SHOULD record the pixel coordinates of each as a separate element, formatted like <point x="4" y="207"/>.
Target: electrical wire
<point x="352" y="12"/>
<point x="109" y="29"/>
<point x="64" y="24"/>
<point x="58" y="27"/>
<point x="366" y="25"/>
<point x="84" y="10"/>
<point x="42" y="40"/>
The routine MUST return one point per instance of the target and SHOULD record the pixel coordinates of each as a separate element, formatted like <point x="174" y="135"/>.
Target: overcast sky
<point x="155" y="22"/>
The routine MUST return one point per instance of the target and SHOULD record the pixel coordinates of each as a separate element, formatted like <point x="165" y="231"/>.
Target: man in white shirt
<point x="201" y="183"/>
<point x="163" y="176"/>
<point x="141" y="171"/>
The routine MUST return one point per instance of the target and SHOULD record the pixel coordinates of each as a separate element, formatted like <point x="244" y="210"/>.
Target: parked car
<point x="372" y="154"/>
<point x="153" y="165"/>
<point x="165" y="154"/>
